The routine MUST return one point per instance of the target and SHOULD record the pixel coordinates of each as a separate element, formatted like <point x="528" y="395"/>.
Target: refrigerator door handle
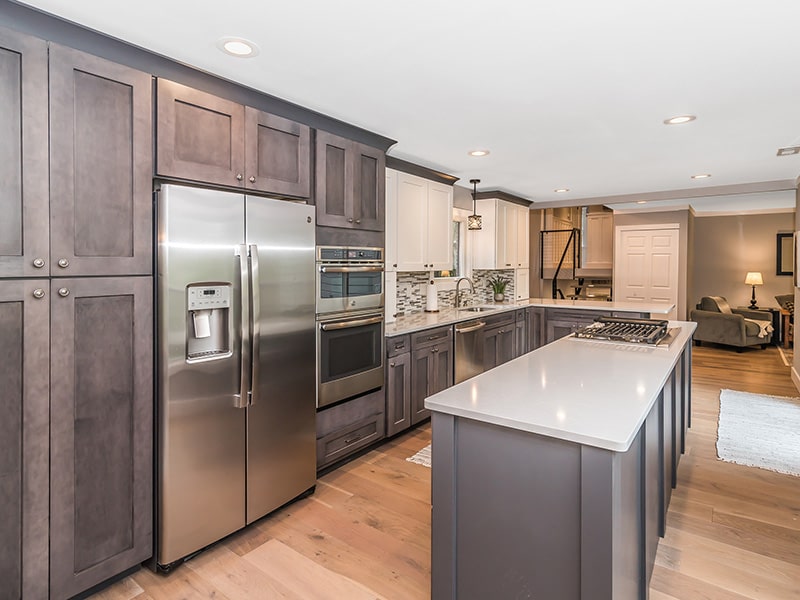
<point x="255" y="323"/>
<point x="244" y="377"/>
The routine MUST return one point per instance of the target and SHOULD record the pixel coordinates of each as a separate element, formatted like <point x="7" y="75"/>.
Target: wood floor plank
<point x="733" y="532"/>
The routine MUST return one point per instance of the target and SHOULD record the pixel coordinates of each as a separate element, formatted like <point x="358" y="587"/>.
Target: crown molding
<point x="398" y="164"/>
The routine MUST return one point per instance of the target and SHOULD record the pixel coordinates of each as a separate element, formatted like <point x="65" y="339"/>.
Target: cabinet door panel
<point x="100" y="166"/>
<point x="24" y="196"/>
<point x="398" y="393"/>
<point x="421" y="375"/>
<point x="277" y="154"/>
<point x="411" y="223"/>
<point x="369" y="193"/>
<point x="334" y="181"/>
<point x="24" y="403"/>
<point x="101" y="430"/>
<point x="200" y="136"/>
<point x="440" y="226"/>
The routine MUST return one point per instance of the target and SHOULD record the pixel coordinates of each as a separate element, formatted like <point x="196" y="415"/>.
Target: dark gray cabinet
<point x="398" y="384"/>
<point x="24" y="199"/>
<point x="101" y="453"/>
<point x="100" y="166"/>
<point x="350" y="426"/>
<point x="350" y="183"/>
<point x="536" y="328"/>
<point x="24" y="381"/>
<point x="520" y="333"/>
<point x="205" y="138"/>
<point x="499" y="340"/>
<point x="431" y="368"/>
<point x="562" y="322"/>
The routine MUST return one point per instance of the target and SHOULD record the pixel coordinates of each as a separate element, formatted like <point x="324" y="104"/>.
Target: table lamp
<point x="754" y="279"/>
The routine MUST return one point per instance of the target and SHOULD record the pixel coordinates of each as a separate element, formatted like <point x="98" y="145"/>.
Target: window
<point x="461" y="262"/>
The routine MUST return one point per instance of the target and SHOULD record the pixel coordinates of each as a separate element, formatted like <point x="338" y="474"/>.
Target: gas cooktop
<point x="631" y="331"/>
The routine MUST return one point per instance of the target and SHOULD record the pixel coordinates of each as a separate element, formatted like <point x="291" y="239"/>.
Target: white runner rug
<point x="759" y="431"/>
<point x="423" y="457"/>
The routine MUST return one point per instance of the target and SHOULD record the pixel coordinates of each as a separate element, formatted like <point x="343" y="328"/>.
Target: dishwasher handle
<point x="469" y="327"/>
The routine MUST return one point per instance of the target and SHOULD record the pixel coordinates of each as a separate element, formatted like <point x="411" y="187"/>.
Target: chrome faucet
<point x="458" y="284"/>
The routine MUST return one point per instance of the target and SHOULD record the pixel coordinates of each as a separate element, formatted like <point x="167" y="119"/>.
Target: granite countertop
<point x="590" y="392"/>
<point x="417" y="321"/>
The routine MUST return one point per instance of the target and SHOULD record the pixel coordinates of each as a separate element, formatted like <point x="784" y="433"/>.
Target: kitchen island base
<point x="523" y="515"/>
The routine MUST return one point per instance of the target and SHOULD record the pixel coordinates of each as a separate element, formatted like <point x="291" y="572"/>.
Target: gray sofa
<point x="719" y="323"/>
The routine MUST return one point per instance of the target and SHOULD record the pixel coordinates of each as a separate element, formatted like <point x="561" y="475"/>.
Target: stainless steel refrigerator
<point x="236" y="363"/>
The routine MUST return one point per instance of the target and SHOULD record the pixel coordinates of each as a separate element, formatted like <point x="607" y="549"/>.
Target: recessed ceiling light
<point x="788" y="150"/>
<point x="701" y="176"/>
<point x="561" y="190"/>
<point x="641" y="202"/>
<point x="478" y="152"/>
<point x="238" y="47"/>
<point x="679" y="119"/>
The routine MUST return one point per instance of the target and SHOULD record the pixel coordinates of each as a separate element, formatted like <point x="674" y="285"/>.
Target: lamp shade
<point x="754" y="278"/>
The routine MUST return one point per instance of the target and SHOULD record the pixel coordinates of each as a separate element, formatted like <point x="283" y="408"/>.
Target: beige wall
<point x="727" y="247"/>
<point x="673" y="216"/>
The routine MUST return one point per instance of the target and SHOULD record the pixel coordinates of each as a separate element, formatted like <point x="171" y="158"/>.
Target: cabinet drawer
<point x="429" y="337"/>
<point x="397" y="345"/>
<point x="505" y="318"/>
<point x="341" y="443"/>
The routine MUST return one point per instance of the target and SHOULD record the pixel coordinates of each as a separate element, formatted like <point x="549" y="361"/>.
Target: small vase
<point x="499" y="296"/>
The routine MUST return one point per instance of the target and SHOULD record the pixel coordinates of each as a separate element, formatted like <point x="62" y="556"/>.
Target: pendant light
<point x="474" y="221"/>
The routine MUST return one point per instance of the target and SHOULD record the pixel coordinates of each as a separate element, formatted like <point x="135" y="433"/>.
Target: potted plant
<point x="498" y="284"/>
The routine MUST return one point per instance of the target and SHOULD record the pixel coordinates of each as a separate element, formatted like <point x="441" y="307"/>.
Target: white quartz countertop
<point x="590" y="392"/>
<point x="422" y="320"/>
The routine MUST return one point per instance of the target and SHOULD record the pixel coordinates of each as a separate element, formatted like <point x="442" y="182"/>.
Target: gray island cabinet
<point x="552" y="473"/>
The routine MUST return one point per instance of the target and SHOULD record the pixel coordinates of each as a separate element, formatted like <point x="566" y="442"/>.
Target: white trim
<point x="795" y="378"/>
<point x="444" y="284"/>
<point x="648" y="226"/>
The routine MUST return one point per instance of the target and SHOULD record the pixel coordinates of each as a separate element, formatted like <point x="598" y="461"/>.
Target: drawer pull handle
<point x="391" y="365"/>
<point x="349" y="441"/>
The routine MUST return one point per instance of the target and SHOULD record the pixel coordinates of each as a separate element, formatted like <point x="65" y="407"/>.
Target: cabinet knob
<point x="239" y="177"/>
<point x="63" y="263"/>
<point x="358" y="221"/>
<point x="391" y="365"/>
<point x="38" y="263"/>
<point x="252" y="179"/>
<point x="38" y="293"/>
<point x="394" y="264"/>
<point x="63" y="292"/>
<point x="350" y="220"/>
<point x="508" y="264"/>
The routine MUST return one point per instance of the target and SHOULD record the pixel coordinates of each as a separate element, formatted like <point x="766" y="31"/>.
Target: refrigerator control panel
<point x="210" y="296"/>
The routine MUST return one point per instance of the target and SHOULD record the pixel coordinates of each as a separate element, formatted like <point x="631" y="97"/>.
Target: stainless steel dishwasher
<point x="469" y="350"/>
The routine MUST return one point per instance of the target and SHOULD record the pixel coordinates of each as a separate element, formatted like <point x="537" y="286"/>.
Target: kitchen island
<point x="552" y="473"/>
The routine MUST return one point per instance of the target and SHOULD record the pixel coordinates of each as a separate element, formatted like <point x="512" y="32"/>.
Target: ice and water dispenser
<point x="207" y="321"/>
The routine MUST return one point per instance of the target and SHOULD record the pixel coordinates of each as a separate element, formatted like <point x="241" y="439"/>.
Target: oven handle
<point x="349" y="324"/>
<point x="328" y="269"/>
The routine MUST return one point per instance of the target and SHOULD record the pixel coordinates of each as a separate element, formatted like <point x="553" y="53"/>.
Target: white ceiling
<point x="564" y="93"/>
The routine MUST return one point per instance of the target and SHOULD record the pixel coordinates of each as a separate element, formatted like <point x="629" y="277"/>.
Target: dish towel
<point x="766" y="327"/>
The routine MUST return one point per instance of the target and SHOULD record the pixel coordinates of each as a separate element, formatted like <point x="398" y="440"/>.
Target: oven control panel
<point x="347" y="254"/>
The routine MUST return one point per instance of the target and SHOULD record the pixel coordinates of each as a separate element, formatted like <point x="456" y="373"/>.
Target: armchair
<point x="718" y="322"/>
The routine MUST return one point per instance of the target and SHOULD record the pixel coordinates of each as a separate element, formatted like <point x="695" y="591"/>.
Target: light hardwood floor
<point x="733" y="532"/>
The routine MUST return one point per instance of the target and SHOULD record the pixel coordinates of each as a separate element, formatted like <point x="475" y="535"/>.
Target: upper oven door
<point x="345" y="287"/>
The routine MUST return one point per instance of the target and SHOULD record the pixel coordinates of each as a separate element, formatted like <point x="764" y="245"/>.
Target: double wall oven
<point x="349" y="306"/>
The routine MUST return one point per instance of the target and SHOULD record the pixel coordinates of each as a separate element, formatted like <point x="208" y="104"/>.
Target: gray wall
<point x="727" y="247"/>
<point x="682" y="217"/>
<point x="462" y="197"/>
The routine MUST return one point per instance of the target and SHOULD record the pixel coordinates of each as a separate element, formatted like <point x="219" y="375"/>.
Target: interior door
<point x="646" y="265"/>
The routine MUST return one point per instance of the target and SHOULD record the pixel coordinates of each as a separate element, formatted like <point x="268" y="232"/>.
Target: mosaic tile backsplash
<point x="412" y="290"/>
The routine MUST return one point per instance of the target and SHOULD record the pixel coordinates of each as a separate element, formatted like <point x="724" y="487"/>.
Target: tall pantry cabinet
<point x="75" y="318"/>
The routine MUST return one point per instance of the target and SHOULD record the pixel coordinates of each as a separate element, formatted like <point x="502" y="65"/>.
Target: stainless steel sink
<point x="477" y="308"/>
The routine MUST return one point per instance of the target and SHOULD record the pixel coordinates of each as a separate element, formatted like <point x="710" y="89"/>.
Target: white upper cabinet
<point x="503" y="242"/>
<point x="599" y="241"/>
<point x="419" y="216"/>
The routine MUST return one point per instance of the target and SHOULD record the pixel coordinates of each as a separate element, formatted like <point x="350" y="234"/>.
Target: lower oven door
<point x="349" y="356"/>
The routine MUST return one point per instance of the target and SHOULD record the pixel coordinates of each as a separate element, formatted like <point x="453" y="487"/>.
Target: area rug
<point x="759" y="431"/>
<point x="423" y="457"/>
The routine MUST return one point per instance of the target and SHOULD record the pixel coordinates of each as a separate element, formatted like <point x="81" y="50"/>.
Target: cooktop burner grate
<point x="634" y="331"/>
